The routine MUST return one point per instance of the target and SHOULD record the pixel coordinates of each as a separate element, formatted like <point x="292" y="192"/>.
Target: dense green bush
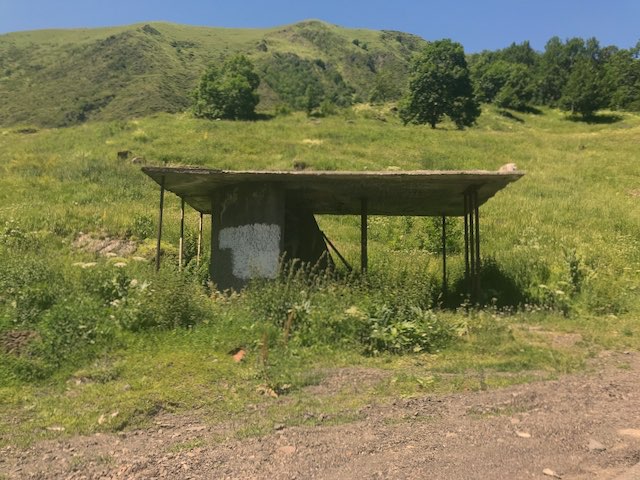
<point x="168" y="300"/>
<point x="403" y="328"/>
<point x="228" y="91"/>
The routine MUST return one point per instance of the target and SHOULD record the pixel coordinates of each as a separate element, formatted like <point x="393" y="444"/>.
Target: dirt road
<point x="583" y="426"/>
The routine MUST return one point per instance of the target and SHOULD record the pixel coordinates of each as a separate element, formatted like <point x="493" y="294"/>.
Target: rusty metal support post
<point x="466" y="238"/>
<point x="477" y="238"/>
<point x="160" y="224"/>
<point x="333" y="247"/>
<point x="444" y="257"/>
<point x="364" y="260"/>
<point x="181" y="241"/>
<point x="472" y="246"/>
<point x="199" y="250"/>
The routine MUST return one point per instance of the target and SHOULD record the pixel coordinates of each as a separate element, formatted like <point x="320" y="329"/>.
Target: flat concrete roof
<point x="415" y="192"/>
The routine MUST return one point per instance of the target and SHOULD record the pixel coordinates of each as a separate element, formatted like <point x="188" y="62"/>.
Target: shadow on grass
<point x="263" y="116"/>
<point x="508" y="113"/>
<point x="497" y="288"/>
<point x="531" y="110"/>
<point x="601" y="119"/>
<point x="510" y="116"/>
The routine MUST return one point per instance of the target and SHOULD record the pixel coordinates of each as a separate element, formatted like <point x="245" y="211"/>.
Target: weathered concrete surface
<point x="247" y="234"/>
<point x="422" y="192"/>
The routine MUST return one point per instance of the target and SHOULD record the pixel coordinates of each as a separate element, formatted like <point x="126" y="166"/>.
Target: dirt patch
<point x="346" y="379"/>
<point x="581" y="426"/>
<point x="16" y="341"/>
<point x="557" y="339"/>
<point x="107" y="246"/>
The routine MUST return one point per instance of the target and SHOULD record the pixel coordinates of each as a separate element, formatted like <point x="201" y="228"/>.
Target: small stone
<point x="239" y="356"/>
<point x="514" y="421"/>
<point x="595" y="446"/>
<point x="279" y="426"/>
<point x="629" y="432"/>
<point x="550" y="473"/>
<point x="287" y="450"/>
<point x="523" y="434"/>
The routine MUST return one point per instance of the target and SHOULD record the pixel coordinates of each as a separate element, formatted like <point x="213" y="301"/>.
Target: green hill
<point x="64" y="77"/>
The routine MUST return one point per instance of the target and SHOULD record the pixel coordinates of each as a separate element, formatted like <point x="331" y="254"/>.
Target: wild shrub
<point x="403" y="328"/>
<point x="168" y="300"/>
<point x="71" y="329"/>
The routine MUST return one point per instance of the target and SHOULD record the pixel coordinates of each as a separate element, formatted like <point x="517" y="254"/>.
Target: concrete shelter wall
<point x="247" y="234"/>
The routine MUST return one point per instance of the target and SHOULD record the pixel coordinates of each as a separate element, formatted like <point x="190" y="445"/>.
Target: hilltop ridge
<point x="63" y="77"/>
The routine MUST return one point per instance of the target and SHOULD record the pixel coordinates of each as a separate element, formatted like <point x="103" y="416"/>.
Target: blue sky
<point x="478" y="25"/>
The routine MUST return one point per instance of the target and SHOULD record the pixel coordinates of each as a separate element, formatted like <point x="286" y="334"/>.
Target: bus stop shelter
<point x="259" y="217"/>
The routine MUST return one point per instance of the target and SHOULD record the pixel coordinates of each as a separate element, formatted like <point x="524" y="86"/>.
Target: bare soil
<point x="582" y="426"/>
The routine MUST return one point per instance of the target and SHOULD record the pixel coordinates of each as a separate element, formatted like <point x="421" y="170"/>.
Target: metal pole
<point x="466" y="239"/>
<point x="333" y="247"/>
<point x="364" y="261"/>
<point x="477" y="223"/>
<point x="181" y="245"/>
<point x="160" y="224"/>
<point x="444" y="257"/>
<point x="199" y="251"/>
<point x="472" y="246"/>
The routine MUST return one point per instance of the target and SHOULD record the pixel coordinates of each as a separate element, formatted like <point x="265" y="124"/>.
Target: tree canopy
<point x="228" y="91"/>
<point x="439" y="85"/>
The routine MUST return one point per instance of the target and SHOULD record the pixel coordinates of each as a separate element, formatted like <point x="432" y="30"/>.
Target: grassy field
<point x="107" y="347"/>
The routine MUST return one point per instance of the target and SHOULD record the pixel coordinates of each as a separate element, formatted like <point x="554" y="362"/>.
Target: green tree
<point x="387" y="86"/>
<point x="585" y="90"/>
<point x="623" y="79"/>
<point x="517" y="91"/>
<point x="489" y="78"/>
<point x="439" y="85"/>
<point x="228" y="91"/>
<point x="313" y="97"/>
<point x="556" y="65"/>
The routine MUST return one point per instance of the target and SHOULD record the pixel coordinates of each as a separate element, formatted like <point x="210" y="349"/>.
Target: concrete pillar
<point x="247" y="234"/>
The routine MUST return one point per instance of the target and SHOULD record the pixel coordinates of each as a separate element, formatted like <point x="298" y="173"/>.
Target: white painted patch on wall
<point x="255" y="249"/>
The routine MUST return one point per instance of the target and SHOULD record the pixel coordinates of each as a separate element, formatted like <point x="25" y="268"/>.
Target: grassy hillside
<point x="64" y="77"/>
<point x="84" y="335"/>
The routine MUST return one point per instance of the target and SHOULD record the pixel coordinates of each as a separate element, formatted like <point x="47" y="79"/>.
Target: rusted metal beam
<point x="364" y="260"/>
<point x="472" y="244"/>
<point x="333" y="247"/>
<point x="477" y="238"/>
<point x="160" y="224"/>
<point x="444" y="257"/>
<point x="199" y="250"/>
<point x="466" y="237"/>
<point x="181" y="241"/>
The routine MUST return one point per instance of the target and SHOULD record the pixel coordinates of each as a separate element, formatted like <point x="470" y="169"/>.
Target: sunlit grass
<point x="566" y="234"/>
